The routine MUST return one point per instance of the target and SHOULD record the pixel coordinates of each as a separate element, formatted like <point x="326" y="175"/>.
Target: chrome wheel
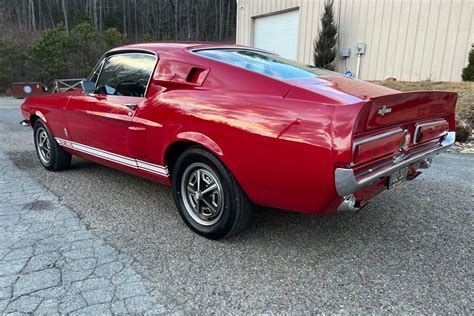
<point x="43" y="146"/>
<point x="202" y="194"/>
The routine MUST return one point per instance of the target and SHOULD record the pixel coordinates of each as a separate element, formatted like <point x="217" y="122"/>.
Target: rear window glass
<point x="266" y="63"/>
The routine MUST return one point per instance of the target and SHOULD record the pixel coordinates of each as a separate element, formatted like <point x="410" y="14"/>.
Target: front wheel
<point x="50" y="154"/>
<point x="208" y="198"/>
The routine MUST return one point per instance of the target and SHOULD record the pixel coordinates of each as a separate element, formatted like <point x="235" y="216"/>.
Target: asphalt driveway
<point x="409" y="251"/>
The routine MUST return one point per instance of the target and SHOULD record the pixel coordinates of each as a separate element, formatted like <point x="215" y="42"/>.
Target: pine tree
<point x="49" y="56"/>
<point x="468" y="72"/>
<point x="324" y="45"/>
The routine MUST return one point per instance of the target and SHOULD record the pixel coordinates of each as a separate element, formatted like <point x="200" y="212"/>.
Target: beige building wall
<point x="409" y="40"/>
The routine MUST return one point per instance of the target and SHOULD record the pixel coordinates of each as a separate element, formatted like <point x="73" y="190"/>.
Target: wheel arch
<point x="35" y="115"/>
<point x="185" y="140"/>
<point x="33" y="119"/>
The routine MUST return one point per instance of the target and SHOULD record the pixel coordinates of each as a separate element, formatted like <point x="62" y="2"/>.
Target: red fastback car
<point x="229" y="127"/>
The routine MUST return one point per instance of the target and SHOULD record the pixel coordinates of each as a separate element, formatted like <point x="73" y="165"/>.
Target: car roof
<point x="176" y="46"/>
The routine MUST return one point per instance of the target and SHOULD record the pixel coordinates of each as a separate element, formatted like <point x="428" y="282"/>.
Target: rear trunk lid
<point x="401" y="108"/>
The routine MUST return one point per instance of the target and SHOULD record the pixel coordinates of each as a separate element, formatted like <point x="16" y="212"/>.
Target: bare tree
<point x="66" y="25"/>
<point x="209" y="20"/>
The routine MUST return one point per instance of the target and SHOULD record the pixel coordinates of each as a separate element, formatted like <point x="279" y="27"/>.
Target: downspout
<point x="338" y="27"/>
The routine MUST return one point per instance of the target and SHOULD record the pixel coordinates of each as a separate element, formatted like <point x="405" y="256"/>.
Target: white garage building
<point x="408" y="40"/>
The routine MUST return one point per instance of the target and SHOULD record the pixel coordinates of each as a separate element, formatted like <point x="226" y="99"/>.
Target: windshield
<point x="266" y="63"/>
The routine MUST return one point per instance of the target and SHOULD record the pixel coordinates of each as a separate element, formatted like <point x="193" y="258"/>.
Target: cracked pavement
<point x="50" y="263"/>
<point x="408" y="252"/>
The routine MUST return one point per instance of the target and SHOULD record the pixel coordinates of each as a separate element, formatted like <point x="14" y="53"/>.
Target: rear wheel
<point x="50" y="154"/>
<point x="208" y="198"/>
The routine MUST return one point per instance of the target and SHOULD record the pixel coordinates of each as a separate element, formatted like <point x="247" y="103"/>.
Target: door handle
<point x="131" y="106"/>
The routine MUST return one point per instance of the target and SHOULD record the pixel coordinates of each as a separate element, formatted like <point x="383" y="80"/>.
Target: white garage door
<point x="278" y="33"/>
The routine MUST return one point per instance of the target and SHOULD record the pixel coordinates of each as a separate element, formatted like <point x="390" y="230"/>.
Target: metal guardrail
<point x="61" y="85"/>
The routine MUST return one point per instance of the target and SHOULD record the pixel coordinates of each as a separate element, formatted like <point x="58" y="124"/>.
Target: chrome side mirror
<point x="88" y="87"/>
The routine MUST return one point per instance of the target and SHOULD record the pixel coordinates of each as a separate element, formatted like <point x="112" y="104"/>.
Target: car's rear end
<point x="394" y="136"/>
<point x="338" y="142"/>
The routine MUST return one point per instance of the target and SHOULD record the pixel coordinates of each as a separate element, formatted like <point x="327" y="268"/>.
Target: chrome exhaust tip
<point x="348" y="204"/>
<point x="425" y="164"/>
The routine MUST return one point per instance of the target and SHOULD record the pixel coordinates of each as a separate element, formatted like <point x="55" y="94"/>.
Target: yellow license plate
<point x="397" y="178"/>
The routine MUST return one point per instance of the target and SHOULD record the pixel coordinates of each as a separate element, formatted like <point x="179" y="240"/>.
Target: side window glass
<point x="126" y="74"/>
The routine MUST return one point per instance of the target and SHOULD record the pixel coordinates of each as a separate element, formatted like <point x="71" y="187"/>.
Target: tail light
<point x="431" y="130"/>
<point x="378" y="146"/>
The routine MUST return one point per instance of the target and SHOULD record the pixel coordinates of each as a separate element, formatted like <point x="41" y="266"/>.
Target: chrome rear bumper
<point x="347" y="182"/>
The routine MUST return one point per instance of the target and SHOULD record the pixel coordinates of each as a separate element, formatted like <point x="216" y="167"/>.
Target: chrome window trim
<point x="417" y="129"/>
<point x="100" y="66"/>
<point x="252" y="49"/>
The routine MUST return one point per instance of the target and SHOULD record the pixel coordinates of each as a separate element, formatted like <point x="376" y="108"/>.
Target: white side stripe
<point x="107" y="155"/>
<point x="100" y="153"/>
<point x="151" y="167"/>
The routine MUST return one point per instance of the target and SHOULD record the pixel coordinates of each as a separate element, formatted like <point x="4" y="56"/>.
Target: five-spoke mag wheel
<point x="43" y="145"/>
<point x="50" y="154"/>
<point x="208" y="197"/>
<point x="204" y="198"/>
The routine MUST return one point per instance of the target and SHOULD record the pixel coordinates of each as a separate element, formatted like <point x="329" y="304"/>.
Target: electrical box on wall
<point x="345" y="52"/>
<point x="360" y="48"/>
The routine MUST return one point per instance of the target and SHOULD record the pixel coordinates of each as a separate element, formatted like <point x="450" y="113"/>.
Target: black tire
<point x="59" y="159"/>
<point x="235" y="207"/>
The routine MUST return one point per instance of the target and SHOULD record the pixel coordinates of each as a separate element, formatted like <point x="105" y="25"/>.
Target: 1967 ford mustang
<point x="229" y="127"/>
